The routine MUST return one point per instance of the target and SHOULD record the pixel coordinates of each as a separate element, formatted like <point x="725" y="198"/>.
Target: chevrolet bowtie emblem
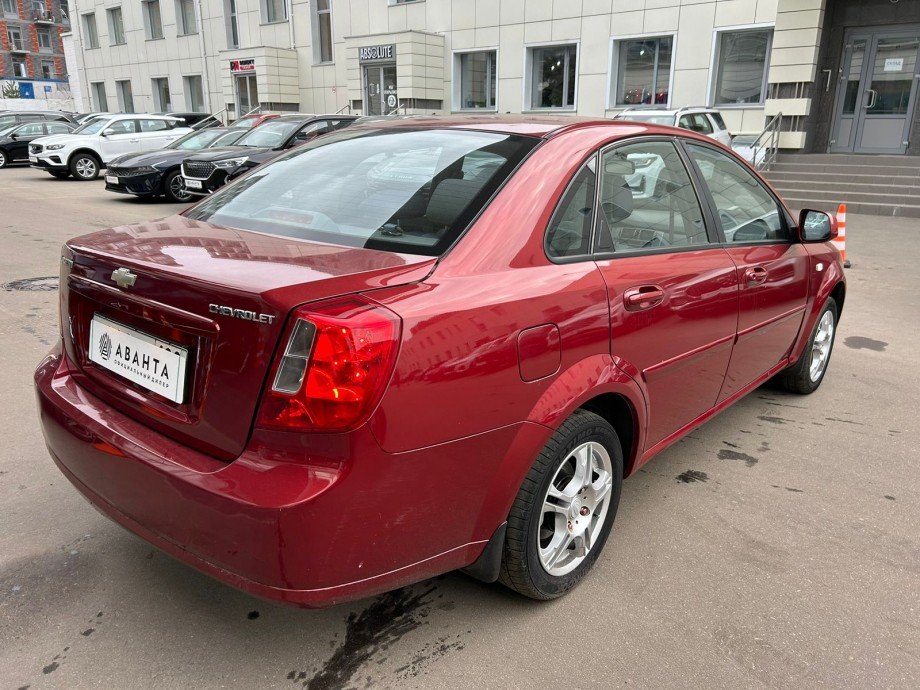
<point x="124" y="278"/>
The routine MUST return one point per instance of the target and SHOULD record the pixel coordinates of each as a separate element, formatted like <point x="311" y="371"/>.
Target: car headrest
<point x="616" y="198"/>
<point x="449" y="199"/>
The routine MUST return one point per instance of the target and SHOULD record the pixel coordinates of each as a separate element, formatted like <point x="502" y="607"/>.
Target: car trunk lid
<point x="220" y="295"/>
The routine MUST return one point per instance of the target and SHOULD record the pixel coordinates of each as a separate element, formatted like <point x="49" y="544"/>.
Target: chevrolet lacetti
<point x="411" y="347"/>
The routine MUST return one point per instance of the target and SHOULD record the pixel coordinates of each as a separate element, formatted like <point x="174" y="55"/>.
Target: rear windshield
<point x="270" y="134"/>
<point x="404" y="191"/>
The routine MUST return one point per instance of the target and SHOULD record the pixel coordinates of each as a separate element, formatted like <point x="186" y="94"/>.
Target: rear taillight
<point x="336" y="362"/>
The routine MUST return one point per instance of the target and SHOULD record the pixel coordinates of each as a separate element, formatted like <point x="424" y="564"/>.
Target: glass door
<point x="380" y="90"/>
<point x="247" y="94"/>
<point x="879" y="88"/>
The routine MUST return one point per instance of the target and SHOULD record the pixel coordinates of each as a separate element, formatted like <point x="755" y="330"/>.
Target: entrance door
<point x="247" y="95"/>
<point x="380" y="89"/>
<point x="877" y="92"/>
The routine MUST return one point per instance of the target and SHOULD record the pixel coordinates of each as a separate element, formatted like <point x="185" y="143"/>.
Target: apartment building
<point x="840" y="72"/>
<point x="31" y="53"/>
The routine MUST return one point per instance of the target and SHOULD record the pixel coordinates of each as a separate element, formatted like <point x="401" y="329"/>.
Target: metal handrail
<point x="396" y="109"/>
<point x="340" y="110"/>
<point x="767" y="142"/>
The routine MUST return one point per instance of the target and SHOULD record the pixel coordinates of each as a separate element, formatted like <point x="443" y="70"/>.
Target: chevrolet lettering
<point x="244" y="314"/>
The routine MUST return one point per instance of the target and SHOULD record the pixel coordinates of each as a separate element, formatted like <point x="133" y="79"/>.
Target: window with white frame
<point x="44" y="40"/>
<point x="233" y="25"/>
<point x="161" y="97"/>
<point x="475" y="73"/>
<point x="153" y="20"/>
<point x="553" y="76"/>
<point x="19" y="67"/>
<point x="322" y="31"/>
<point x="14" y="34"/>
<point x="116" y="26"/>
<point x="48" y="71"/>
<point x="10" y="9"/>
<point x="125" y="96"/>
<point x="274" y="11"/>
<point x="186" y="21"/>
<point x="98" y="90"/>
<point x="90" y="34"/>
<point x="741" y="62"/>
<point x="194" y="96"/>
<point x="643" y="71"/>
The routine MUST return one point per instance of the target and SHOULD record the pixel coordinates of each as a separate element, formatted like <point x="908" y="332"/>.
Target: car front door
<point x="19" y="147"/>
<point x="772" y="267"/>
<point x="120" y="137"/>
<point x="310" y="131"/>
<point x="672" y="288"/>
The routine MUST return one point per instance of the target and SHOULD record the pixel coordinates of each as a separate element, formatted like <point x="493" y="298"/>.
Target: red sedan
<point x="425" y="345"/>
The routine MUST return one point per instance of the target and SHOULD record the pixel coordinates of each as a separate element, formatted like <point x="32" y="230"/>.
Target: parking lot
<point x="778" y="545"/>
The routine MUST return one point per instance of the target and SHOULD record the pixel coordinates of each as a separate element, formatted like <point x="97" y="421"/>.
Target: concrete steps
<point x="867" y="184"/>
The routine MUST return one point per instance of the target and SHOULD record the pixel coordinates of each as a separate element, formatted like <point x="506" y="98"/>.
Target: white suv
<point x="706" y="121"/>
<point x="89" y="148"/>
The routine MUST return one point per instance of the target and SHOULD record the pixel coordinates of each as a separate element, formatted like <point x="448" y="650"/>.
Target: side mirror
<point x="817" y="226"/>
<point x="108" y="132"/>
<point x="14" y="136"/>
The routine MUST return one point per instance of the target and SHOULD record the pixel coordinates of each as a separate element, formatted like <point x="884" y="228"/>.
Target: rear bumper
<point x="312" y="527"/>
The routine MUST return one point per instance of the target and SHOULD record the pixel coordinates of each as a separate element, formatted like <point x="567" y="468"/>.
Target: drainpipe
<point x="290" y="13"/>
<point x="78" y="55"/>
<point x="206" y="82"/>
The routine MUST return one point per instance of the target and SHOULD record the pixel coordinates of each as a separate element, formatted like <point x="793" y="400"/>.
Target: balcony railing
<point x="17" y="46"/>
<point x="58" y="16"/>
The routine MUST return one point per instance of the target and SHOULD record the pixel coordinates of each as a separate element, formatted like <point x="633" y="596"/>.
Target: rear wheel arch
<point x="839" y="293"/>
<point x="620" y="413"/>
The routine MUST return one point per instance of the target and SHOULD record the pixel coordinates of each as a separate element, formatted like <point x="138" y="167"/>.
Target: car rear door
<point x="672" y="288"/>
<point x="772" y="267"/>
<point x="154" y="134"/>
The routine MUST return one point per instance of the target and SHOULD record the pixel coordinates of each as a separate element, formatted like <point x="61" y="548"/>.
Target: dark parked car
<point x="12" y="117"/>
<point x="158" y="172"/>
<point x="14" y="140"/>
<point x="407" y="348"/>
<point x="209" y="171"/>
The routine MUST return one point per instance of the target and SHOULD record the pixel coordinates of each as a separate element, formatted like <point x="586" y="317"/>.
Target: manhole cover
<point x="33" y="284"/>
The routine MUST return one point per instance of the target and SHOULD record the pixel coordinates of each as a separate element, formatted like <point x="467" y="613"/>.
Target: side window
<point x="57" y="128"/>
<point x="747" y="211"/>
<point x="311" y="131"/>
<point x="153" y="125"/>
<point x="696" y="122"/>
<point x="647" y="200"/>
<point x="121" y="127"/>
<point x="719" y="122"/>
<point x="33" y="130"/>
<point x="569" y="230"/>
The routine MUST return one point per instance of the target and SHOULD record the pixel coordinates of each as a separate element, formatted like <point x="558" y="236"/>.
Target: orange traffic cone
<point x="841" y="241"/>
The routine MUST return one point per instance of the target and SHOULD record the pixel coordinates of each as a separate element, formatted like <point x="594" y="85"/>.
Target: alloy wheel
<point x="85" y="167"/>
<point x="821" y="347"/>
<point x="177" y="189"/>
<point x="574" y="508"/>
<point x="3" y="160"/>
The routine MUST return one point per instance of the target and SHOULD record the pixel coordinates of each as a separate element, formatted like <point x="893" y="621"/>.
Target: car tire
<point x="4" y="159"/>
<point x="172" y="186"/>
<point x="84" y="167"/>
<point x="806" y="375"/>
<point x="59" y="174"/>
<point x="548" y="551"/>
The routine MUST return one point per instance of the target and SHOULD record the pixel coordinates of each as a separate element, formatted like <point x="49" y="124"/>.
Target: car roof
<point x="651" y="110"/>
<point x="543" y="126"/>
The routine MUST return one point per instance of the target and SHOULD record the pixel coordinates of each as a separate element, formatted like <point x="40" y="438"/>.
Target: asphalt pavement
<point x="776" y="546"/>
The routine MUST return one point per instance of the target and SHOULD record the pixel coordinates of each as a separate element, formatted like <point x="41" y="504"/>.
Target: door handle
<point x="756" y="275"/>
<point x="872" y="99"/>
<point x="644" y="297"/>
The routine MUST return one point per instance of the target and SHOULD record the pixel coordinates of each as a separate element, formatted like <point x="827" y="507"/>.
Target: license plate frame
<point x="192" y="184"/>
<point x="156" y="365"/>
<point x="111" y="179"/>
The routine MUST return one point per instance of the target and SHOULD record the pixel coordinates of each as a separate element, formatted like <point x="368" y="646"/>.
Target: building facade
<point x="817" y="63"/>
<point x="31" y="53"/>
